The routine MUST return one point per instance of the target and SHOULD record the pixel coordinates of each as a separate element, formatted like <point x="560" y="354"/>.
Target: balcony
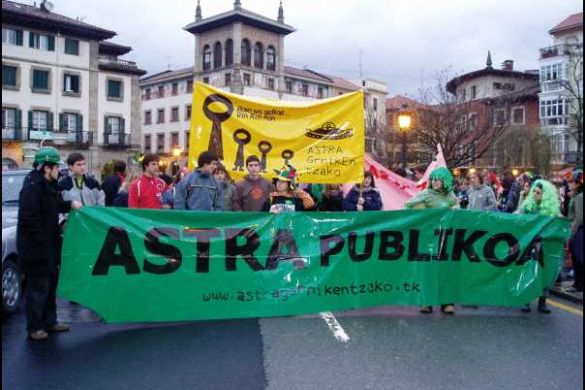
<point x="12" y="134"/>
<point x="115" y="61"/>
<point x="117" y="140"/>
<point x="79" y="139"/>
<point x="571" y="158"/>
<point x="557" y="50"/>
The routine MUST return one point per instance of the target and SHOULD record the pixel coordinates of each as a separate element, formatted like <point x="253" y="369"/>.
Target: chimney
<point x="508" y="65"/>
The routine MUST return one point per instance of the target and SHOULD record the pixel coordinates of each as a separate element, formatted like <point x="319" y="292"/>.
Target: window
<point x="40" y="81"/>
<point x="375" y="104"/>
<point x="305" y="90"/>
<point x="206" y="80"/>
<point x="70" y="122"/>
<point x="114" y="89"/>
<point x="518" y="116"/>
<point x="228" y="79"/>
<point x="71" y="84"/>
<point x="39" y="120"/>
<point x="497" y="86"/>
<point x="175" y="140"/>
<point x="499" y="117"/>
<point x="186" y="147"/>
<point x="188" y="112"/>
<point x="41" y="41"/>
<point x="160" y="115"/>
<point x="472" y="121"/>
<point x="160" y="143"/>
<point x="247" y="79"/>
<point x="554" y="112"/>
<point x="246" y="53"/>
<point x="114" y="125"/>
<point x="474" y="92"/>
<point x="217" y="55"/>
<point x="289" y="87"/>
<point x="271" y="84"/>
<point x="147" y="117"/>
<point x="229" y="52"/>
<point x="320" y="96"/>
<point x="9" y="76"/>
<point x="206" y="57"/>
<point x="259" y="55"/>
<point x="189" y="86"/>
<point x="161" y="91"/>
<point x="271" y="58"/>
<point x="175" y="89"/>
<point x="8" y="118"/>
<point x="12" y="36"/>
<point x="72" y="46"/>
<point x="148" y="94"/>
<point x="551" y="73"/>
<point x="147" y="143"/>
<point x="174" y="114"/>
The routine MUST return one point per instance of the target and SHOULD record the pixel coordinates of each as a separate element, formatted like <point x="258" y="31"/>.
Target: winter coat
<point x="111" y="186"/>
<point x="372" y="199"/>
<point x="431" y="199"/>
<point x="331" y="202"/>
<point x="510" y="202"/>
<point x="576" y="212"/>
<point x="251" y="195"/>
<point x="297" y="201"/>
<point x="199" y="191"/>
<point x="481" y="198"/>
<point x="227" y="190"/>
<point x="89" y="194"/>
<point x="38" y="232"/>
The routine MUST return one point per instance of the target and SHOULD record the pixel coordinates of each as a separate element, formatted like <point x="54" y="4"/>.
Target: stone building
<point x="243" y="52"/>
<point x="63" y="84"/>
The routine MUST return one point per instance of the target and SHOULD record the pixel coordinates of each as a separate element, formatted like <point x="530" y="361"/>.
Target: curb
<point x="565" y="295"/>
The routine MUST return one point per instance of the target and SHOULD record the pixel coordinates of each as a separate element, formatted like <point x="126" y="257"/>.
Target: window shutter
<point x="18" y="124"/>
<point x="107" y="127"/>
<point x="30" y="120"/>
<point x="19" y="37"/>
<point x="51" y="43"/>
<point x="61" y="122"/>
<point x="122" y="125"/>
<point x="75" y="83"/>
<point x="50" y="121"/>
<point x="64" y="82"/>
<point x="31" y="39"/>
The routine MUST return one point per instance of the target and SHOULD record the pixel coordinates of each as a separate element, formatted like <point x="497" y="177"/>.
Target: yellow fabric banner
<point x="324" y="139"/>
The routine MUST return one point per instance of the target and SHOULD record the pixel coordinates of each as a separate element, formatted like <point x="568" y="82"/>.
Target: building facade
<point x="64" y="85"/>
<point x="561" y="96"/>
<point x="243" y="52"/>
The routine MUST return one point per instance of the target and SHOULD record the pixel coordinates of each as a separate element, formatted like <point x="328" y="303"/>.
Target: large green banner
<point x="147" y="265"/>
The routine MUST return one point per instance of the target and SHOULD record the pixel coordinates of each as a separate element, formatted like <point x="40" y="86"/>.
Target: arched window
<point x="206" y="57"/>
<point x="259" y="55"/>
<point x="271" y="58"/>
<point x="246" y="53"/>
<point x="229" y="52"/>
<point x="217" y="54"/>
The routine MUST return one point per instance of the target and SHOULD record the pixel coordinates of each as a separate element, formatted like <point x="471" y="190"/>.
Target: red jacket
<point x="146" y="193"/>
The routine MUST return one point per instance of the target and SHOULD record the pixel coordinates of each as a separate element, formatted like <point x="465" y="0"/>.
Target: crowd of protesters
<point x="210" y="188"/>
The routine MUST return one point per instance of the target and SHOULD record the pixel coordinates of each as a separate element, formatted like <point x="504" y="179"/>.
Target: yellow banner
<point x="324" y="139"/>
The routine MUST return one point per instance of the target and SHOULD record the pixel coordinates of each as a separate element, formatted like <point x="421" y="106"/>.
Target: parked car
<point x="12" y="281"/>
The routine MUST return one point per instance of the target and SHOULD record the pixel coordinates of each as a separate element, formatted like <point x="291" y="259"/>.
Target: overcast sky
<point x="403" y="42"/>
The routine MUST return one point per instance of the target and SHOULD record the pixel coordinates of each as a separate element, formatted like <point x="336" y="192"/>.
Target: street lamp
<point x="404" y="124"/>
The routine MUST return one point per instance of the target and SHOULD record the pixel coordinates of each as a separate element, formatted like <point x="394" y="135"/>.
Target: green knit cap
<point x="445" y="176"/>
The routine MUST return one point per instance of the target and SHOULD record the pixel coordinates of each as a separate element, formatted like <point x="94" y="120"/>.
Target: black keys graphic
<point x="215" y="140"/>
<point x="242" y="137"/>
<point x="287" y="154"/>
<point x="264" y="147"/>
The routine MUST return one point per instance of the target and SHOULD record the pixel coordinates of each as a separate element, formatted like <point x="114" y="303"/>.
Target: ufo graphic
<point x="329" y="131"/>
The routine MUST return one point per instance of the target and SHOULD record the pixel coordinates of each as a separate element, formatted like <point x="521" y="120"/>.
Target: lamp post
<point x="404" y="124"/>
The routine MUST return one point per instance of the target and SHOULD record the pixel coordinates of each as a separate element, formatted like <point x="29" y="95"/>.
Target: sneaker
<point x="59" y="328"/>
<point x="448" y="309"/>
<point x="544" y="309"/>
<point x="38" y="335"/>
<point x="526" y="309"/>
<point x="426" y="309"/>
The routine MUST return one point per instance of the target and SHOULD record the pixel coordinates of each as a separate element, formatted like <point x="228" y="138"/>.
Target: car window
<point x="11" y="186"/>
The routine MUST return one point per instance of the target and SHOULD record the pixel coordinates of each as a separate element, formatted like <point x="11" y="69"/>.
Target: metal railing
<point x="117" y="140"/>
<point x="116" y="61"/>
<point x="556" y="50"/>
<point x="57" y="137"/>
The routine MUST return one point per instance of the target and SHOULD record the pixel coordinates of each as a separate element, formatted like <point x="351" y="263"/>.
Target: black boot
<point x="526" y="308"/>
<point x="542" y="306"/>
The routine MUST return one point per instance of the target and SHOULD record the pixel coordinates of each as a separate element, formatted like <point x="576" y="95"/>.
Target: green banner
<point x="152" y="265"/>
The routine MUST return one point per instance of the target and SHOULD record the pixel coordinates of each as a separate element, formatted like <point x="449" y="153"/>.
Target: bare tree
<point x="527" y="147"/>
<point x="465" y="129"/>
<point x="573" y="86"/>
<point x="376" y="135"/>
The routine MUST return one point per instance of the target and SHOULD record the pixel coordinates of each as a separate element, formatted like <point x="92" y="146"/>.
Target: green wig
<point x="550" y="204"/>
<point x="445" y="176"/>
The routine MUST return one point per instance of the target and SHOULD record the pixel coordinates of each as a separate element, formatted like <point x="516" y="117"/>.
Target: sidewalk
<point x="562" y="292"/>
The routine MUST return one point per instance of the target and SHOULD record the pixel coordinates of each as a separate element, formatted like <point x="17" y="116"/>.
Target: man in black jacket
<point x="38" y="243"/>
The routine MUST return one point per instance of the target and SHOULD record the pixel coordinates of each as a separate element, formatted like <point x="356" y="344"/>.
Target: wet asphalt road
<point x="389" y="348"/>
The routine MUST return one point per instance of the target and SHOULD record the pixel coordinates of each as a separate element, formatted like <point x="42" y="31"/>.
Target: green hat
<point x="287" y="173"/>
<point x="48" y="154"/>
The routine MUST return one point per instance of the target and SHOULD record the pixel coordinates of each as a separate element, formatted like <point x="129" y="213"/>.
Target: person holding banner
<point x="576" y="217"/>
<point x="440" y="195"/>
<point x="481" y="197"/>
<point x="251" y="193"/>
<point x="286" y="198"/>
<point x="146" y="192"/>
<point x="543" y="199"/>
<point x="227" y="186"/>
<point x="364" y="197"/>
<point x="200" y="191"/>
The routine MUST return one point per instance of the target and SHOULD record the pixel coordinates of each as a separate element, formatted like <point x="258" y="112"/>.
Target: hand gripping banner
<point x="324" y="140"/>
<point x="152" y="265"/>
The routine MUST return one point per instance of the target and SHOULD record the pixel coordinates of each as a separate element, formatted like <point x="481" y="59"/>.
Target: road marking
<point x="565" y="307"/>
<point x="334" y="326"/>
